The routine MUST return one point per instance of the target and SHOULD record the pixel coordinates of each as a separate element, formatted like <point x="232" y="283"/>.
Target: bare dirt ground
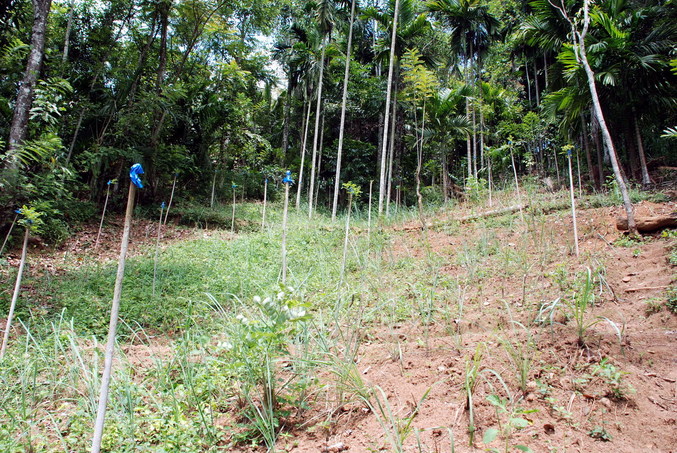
<point x="570" y="404"/>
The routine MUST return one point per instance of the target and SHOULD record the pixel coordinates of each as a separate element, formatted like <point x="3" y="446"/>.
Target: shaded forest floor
<point x="476" y="327"/>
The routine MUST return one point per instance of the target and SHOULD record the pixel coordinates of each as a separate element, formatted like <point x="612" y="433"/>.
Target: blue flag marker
<point x="287" y="178"/>
<point x="162" y="206"/>
<point x="134" y="173"/>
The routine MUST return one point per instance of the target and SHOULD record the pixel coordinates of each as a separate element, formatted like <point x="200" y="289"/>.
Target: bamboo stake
<point x="371" y="183"/>
<point x="265" y="199"/>
<point x="345" y="241"/>
<point x="103" y="214"/>
<point x="11" y="227"/>
<point x="287" y="181"/>
<point x="232" y="220"/>
<point x="211" y="203"/>
<point x="157" y="246"/>
<point x="171" y="197"/>
<point x="115" y="309"/>
<point x="15" y="296"/>
<point x="573" y="201"/>
<point x="517" y="186"/>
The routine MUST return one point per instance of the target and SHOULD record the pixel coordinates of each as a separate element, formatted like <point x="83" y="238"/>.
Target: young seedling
<point x="103" y="214"/>
<point x="31" y="221"/>
<point x="353" y="191"/>
<point x="287" y="181"/>
<point x="157" y="246"/>
<point x="232" y="220"/>
<point x="568" y="148"/>
<point x="171" y="197"/>
<point x="134" y="173"/>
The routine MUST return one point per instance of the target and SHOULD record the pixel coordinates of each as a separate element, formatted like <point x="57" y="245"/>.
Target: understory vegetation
<point x="224" y="356"/>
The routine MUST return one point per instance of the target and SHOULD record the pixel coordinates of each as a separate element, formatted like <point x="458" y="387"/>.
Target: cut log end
<point x="649" y="224"/>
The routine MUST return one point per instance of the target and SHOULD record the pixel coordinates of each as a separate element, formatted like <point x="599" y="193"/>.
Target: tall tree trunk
<point x="344" y="99"/>
<point x="526" y="72"/>
<point x="285" y="124"/>
<point x="597" y="106"/>
<point x="318" y="108"/>
<point x="545" y="70"/>
<point x="391" y="153"/>
<point x="67" y="37"/>
<point x="538" y="94"/>
<point x="468" y="143"/>
<point x="646" y="179"/>
<point x="391" y="65"/>
<point x="303" y="156"/>
<point x="598" y="148"/>
<point x="588" y="156"/>
<point x="24" y="99"/>
<point x="445" y="177"/>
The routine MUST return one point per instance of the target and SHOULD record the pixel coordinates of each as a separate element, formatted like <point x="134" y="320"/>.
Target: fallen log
<point x="481" y="215"/>
<point x="649" y="224"/>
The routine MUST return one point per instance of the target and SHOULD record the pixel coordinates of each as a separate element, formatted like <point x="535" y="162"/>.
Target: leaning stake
<point x="103" y="214"/>
<point x="134" y="173"/>
<point x="567" y="148"/>
<point x="28" y="223"/>
<point x="232" y="220"/>
<point x="171" y="197"/>
<point x="287" y="181"/>
<point x="11" y="227"/>
<point x="157" y="246"/>
<point x="265" y="198"/>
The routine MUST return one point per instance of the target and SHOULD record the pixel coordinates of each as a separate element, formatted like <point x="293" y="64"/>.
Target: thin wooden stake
<point x="11" y="227"/>
<point x="232" y="220"/>
<point x="103" y="215"/>
<point x="265" y="199"/>
<point x="371" y="183"/>
<point x="112" y="327"/>
<point x="157" y="246"/>
<point x="171" y="197"/>
<point x="345" y="241"/>
<point x="211" y="204"/>
<point x="517" y="186"/>
<point x="15" y="296"/>
<point x="573" y="201"/>
<point x="284" y="233"/>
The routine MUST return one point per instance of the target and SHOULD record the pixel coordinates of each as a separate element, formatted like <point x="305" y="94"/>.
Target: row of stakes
<point x="31" y="222"/>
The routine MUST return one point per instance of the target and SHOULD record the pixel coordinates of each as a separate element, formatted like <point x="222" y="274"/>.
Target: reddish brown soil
<point x="406" y="363"/>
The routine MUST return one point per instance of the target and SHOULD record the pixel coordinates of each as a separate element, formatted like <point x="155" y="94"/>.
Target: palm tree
<point x="325" y="24"/>
<point x="472" y="28"/>
<point x="344" y="99"/>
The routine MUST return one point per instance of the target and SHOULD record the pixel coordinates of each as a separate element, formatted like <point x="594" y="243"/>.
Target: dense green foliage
<point x="226" y="91"/>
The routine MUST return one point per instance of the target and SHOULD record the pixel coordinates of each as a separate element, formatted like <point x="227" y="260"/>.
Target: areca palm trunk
<point x="391" y="154"/>
<point x="318" y="108"/>
<point x="391" y="65"/>
<point x="344" y="100"/>
<point x="646" y="179"/>
<point x="303" y="156"/>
